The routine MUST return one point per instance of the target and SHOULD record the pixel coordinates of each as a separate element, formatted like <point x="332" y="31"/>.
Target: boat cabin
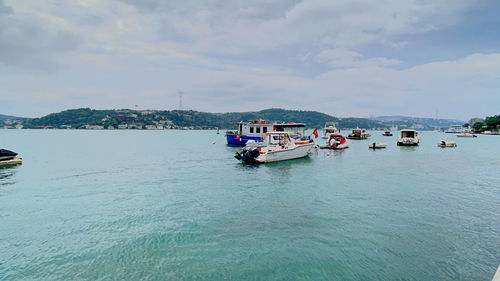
<point x="408" y="133"/>
<point x="277" y="138"/>
<point x="294" y="129"/>
<point x="255" y="128"/>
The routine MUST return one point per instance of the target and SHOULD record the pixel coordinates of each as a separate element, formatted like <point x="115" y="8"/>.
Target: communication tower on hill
<point x="180" y="100"/>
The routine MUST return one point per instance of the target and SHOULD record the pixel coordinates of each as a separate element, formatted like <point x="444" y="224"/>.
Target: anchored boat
<point x="408" y="137"/>
<point x="358" y="134"/>
<point x="466" y="135"/>
<point x="330" y="128"/>
<point x="256" y="130"/>
<point x="277" y="146"/>
<point x="453" y="129"/>
<point x="336" y="141"/>
<point x="8" y="157"/>
<point x="7" y="154"/>
<point x="447" y="144"/>
<point x="377" y="145"/>
<point x="387" y="133"/>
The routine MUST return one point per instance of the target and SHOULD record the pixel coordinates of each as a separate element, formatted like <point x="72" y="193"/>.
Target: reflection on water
<point x="6" y="173"/>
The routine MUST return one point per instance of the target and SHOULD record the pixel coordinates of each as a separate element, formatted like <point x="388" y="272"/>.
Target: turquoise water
<point x="176" y="205"/>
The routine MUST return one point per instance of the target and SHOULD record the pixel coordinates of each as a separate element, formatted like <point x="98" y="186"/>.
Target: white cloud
<point x="244" y="55"/>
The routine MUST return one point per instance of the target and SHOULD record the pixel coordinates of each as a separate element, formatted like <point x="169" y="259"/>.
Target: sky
<point x="356" y="58"/>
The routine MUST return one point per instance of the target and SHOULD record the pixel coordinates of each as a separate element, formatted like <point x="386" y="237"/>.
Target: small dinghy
<point x="377" y="145"/>
<point x="447" y="144"/>
<point x="335" y="141"/>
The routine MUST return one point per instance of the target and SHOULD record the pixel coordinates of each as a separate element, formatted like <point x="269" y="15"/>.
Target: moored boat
<point x="330" y="128"/>
<point x="447" y="144"/>
<point x="387" y="133"/>
<point x="377" y="145"/>
<point x="277" y="146"/>
<point x="454" y="129"/>
<point x="466" y="135"/>
<point x="408" y="137"/>
<point x="358" y="134"/>
<point x="336" y="141"/>
<point x="255" y="131"/>
<point x="7" y="154"/>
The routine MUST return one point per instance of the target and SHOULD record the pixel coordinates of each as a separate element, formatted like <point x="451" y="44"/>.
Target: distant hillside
<point x="412" y="121"/>
<point x="8" y="117"/>
<point x="77" y="118"/>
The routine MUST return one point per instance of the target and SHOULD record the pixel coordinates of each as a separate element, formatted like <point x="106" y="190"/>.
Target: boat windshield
<point x="279" y="139"/>
<point x="408" y="134"/>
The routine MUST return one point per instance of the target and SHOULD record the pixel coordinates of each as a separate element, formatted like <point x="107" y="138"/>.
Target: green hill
<point x="78" y="118"/>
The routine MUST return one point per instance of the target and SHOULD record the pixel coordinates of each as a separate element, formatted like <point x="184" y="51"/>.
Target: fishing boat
<point x="256" y="130"/>
<point x="408" y="137"/>
<point x="466" y="135"/>
<point x="277" y="146"/>
<point x="358" y="134"/>
<point x="387" y="133"/>
<point x="377" y="145"/>
<point x="330" y="128"/>
<point x="447" y="144"/>
<point x="335" y="141"/>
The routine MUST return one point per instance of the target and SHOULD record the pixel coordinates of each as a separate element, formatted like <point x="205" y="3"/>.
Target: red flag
<point x="136" y="105"/>
<point x="315" y="133"/>
<point x="274" y="128"/>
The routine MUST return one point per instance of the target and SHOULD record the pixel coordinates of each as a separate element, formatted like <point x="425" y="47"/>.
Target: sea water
<point x="176" y="205"/>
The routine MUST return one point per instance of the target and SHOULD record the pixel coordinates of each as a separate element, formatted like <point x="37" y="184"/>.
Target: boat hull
<point x="288" y="154"/>
<point x="407" y="144"/>
<point x="242" y="140"/>
<point x="10" y="162"/>
<point x="357" y="137"/>
<point x="377" y="145"/>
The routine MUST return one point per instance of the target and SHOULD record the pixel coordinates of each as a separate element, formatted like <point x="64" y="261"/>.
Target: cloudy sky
<point x="341" y="57"/>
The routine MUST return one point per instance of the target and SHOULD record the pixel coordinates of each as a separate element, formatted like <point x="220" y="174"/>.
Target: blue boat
<point x="255" y="130"/>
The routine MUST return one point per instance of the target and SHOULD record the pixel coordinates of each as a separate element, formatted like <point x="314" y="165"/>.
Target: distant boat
<point x="377" y="145"/>
<point x="358" y="134"/>
<point x="336" y="141"/>
<point x="387" y="133"/>
<point x="447" y="144"/>
<point x="466" y="135"/>
<point x="408" y="137"/>
<point x="454" y="129"/>
<point x="277" y="146"/>
<point x="330" y="128"/>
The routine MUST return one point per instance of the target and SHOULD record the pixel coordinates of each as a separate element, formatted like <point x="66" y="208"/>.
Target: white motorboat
<point x="330" y="128"/>
<point x="336" y="141"/>
<point x="408" y="137"/>
<point x="466" y="135"/>
<point x="447" y="144"/>
<point x="358" y="134"/>
<point x="377" y="145"/>
<point x="454" y="129"/>
<point x="277" y="146"/>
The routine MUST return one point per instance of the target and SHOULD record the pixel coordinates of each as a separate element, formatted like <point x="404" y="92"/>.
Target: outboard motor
<point x="248" y="156"/>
